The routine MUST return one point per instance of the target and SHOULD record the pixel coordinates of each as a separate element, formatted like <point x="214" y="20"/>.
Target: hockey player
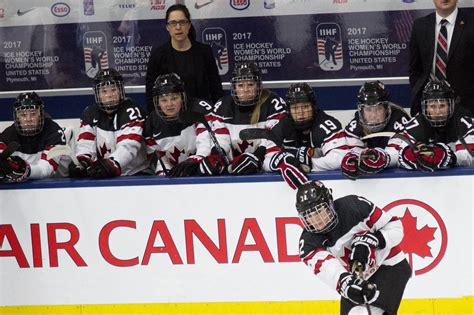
<point x="375" y="114"/>
<point x="315" y="138"/>
<point x="110" y="141"/>
<point x="353" y="247"/>
<point x="438" y="138"/>
<point x="250" y="106"/>
<point x="36" y="135"/>
<point x="171" y="143"/>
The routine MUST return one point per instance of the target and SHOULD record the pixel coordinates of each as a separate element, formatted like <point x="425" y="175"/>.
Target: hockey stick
<point x="192" y="117"/>
<point x="9" y="150"/>
<point x="358" y="269"/>
<point x="259" y="133"/>
<point x="60" y="150"/>
<point x="162" y="163"/>
<point x="386" y="134"/>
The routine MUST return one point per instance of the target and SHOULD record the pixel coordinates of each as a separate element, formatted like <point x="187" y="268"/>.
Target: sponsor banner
<point x="64" y="44"/>
<point x="182" y="243"/>
<point x="17" y="13"/>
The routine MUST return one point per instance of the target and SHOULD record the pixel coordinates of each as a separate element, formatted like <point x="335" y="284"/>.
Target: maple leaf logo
<point x="415" y="241"/>
<point x="242" y="147"/>
<point x="103" y="150"/>
<point x="175" y="155"/>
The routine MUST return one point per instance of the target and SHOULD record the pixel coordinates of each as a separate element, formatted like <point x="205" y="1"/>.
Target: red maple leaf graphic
<point x="345" y="258"/>
<point x="102" y="151"/>
<point x="415" y="241"/>
<point x="242" y="147"/>
<point x="175" y="155"/>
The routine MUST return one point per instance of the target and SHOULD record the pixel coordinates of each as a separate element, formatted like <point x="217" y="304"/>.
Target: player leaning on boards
<point x="24" y="145"/>
<point x="250" y="106"/>
<point x="439" y="137"/>
<point x="171" y="143"/>
<point x="110" y="139"/>
<point x="371" y="149"/>
<point x="353" y="246"/>
<point x="315" y="138"/>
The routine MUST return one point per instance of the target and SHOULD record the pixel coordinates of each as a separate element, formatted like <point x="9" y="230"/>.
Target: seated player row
<point x="190" y="137"/>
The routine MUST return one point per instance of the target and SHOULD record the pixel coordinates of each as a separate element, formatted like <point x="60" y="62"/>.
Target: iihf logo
<point x="217" y="39"/>
<point x="330" y="56"/>
<point x="95" y="53"/>
<point x="239" y="4"/>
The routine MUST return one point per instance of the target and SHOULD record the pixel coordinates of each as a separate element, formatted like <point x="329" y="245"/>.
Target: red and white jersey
<point x="458" y="134"/>
<point x="327" y="255"/>
<point x="118" y="136"/>
<point x="228" y="119"/>
<point x="355" y="132"/>
<point x="34" y="149"/>
<point x="175" y="141"/>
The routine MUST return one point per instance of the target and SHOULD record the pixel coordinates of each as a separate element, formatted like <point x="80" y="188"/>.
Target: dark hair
<point x="184" y="9"/>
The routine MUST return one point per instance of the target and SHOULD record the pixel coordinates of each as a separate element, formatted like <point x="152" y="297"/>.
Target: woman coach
<point x="191" y="60"/>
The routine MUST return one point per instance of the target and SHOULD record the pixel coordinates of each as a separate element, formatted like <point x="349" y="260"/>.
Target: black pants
<point x="391" y="282"/>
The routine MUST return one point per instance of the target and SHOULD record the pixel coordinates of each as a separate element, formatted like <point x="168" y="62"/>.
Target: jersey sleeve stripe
<point x="134" y="124"/>
<point x="374" y="216"/>
<point x="51" y="161"/>
<point x="135" y="137"/>
<point x="460" y="147"/>
<point x="222" y="131"/>
<point x="200" y="130"/>
<point x="3" y="146"/>
<point x="277" y="116"/>
<point x="150" y="141"/>
<point x="86" y="136"/>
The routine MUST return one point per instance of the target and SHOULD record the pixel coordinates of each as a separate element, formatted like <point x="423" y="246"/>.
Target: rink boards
<point x="150" y="245"/>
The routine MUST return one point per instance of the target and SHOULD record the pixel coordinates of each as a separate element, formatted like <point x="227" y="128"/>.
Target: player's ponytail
<point x="256" y="111"/>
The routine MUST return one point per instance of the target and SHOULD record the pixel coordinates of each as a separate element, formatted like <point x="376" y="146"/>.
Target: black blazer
<point x="208" y="81"/>
<point x="460" y="67"/>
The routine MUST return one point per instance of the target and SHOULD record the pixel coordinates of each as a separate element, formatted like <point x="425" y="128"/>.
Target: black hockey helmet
<point x="301" y="93"/>
<point x="247" y="71"/>
<point x="110" y="101"/>
<point x="315" y="207"/>
<point x="437" y="93"/>
<point x="371" y="95"/>
<point x="28" y="114"/>
<point x="167" y="84"/>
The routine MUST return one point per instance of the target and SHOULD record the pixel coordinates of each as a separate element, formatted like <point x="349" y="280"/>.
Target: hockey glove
<point x="79" y="171"/>
<point x="349" y="165"/>
<point x="363" y="248"/>
<point x="212" y="165"/>
<point x="287" y="165"/>
<point x="188" y="167"/>
<point x="372" y="161"/>
<point x="435" y="156"/>
<point x="354" y="289"/>
<point x="104" y="168"/>
<point x="304" y="155"/>
<point x="248" y="163"/>
<point x="14" y="169"/>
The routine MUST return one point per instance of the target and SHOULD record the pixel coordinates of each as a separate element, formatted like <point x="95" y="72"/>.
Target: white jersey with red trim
<point x="34" y="149"/>
<point x="327" y="255"/>
<point x="355" y="132"/>
<point x="228" y="119"/>
<point x="458" y="134"/>
<point x="175" y="141"/>
<point x="117" y="136"/>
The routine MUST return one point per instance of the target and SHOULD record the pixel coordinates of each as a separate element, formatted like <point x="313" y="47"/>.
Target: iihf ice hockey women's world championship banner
<point x="62" y="44"/>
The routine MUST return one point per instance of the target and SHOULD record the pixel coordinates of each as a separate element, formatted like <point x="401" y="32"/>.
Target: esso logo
<point x="60" y="9"/>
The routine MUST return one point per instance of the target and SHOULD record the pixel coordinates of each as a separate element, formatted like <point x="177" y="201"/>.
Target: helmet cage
<point x="436" y="122"/>
<point x="233" y="89"/>
<point x="161" y="113"/>
<point x="297" y="94"/>
<point x="27" y="106"/>
<point x="323" y="213"/>
<point x="377" y="126"/>
<point x="109" y="107"/>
